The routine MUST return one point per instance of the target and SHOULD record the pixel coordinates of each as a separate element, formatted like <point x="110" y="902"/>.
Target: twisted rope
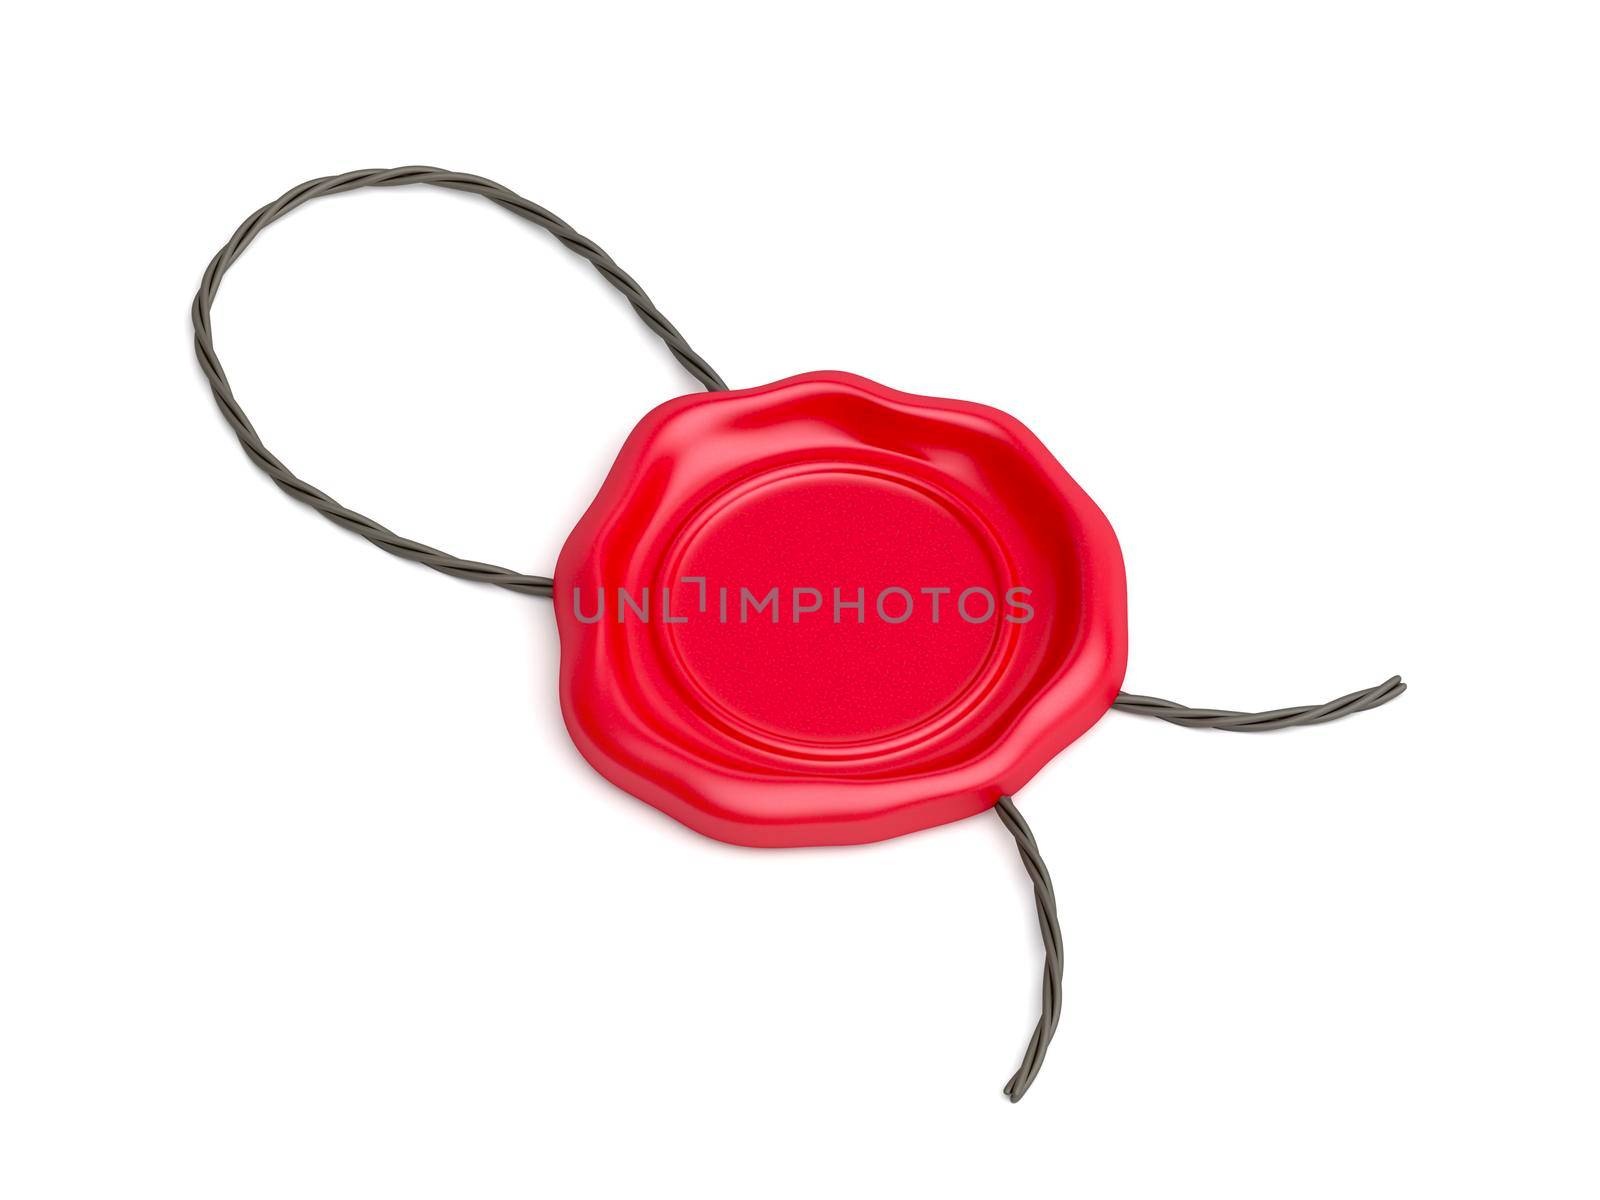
<point x="1260" y="722"/>
<point x="299" y="489"/>
<point x="1044" y="895"/>
<point x="540" y="585"/>
<point x="1044" y="898"/>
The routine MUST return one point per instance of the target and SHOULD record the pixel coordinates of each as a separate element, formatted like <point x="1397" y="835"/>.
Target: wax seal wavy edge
<point x="656" y="750"/>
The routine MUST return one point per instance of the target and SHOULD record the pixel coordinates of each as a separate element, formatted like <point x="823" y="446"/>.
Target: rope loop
<point x="331" y="185"/>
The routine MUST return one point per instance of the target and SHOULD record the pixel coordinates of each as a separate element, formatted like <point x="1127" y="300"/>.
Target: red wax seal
<point x="823" y="612"/>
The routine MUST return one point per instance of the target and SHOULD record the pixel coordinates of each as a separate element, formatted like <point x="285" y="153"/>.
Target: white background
<point x="304" y="891"/>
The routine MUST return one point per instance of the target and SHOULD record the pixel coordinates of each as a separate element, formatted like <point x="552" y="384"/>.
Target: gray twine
<point x="541" y="585"/>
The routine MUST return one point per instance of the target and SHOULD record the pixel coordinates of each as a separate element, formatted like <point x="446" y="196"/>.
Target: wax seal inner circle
<point x="840" y="604"/>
